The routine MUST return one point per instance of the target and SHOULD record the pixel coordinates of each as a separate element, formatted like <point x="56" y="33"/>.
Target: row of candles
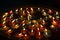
<point x="33" y="30"/>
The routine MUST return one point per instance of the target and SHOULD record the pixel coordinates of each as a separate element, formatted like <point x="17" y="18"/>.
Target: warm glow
<point x="44" y="13"/>
<point x="20" y="8"/>
<point x="46" y="30"/>
<point x="16" y="10"/>
<point x="38" y="8"/>
<point x="50" y="16"/>
<point x="11" y="11"/>
<point x="39" y="33"/>
<point x="6" y="14"/>
<point x="41" y="25"/>
<point x="54" y="22"/>
<point x="57" y="13"/>
<point x="4" y="26"/>
<point x="16" y="26"/>
<point x="31" y="9"/>
<point x="52" y="26"/>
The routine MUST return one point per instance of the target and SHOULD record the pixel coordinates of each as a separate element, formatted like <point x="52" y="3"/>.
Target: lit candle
<point x="19" y="35"/>
<point x="52" y="26"/>
<point x="54" y="22"/>
<point x="42" y="28"/>
<point x="21" y="9"/>
<point x="11" y="12"/>
<point x="32" y="33"/>
<point x="50" y="11"/>
<point x="57" y="13"/>
<point x="5" y="28"/>
<point x="29" y="17"/>
<point x="6" y="14"/>
<point x="16" y="10"/>
<point x="43" y="10"/>
<point x="32" y="11"/>
<point x="25" y="37"/>
<point x="50" y="16"/>
<point x="44" y="13"/>
<point x="38" y="35"/>
<point x="9" y="31"/>
<point x="57" y="17"/>
<point x="4" y="19"/>
<point x="38" y="8"/>
<point x="28" y="12"/>
<point x="34" y="21"/>
<point x="32" y="27"/>
<point x="16" y="26"/>
<point x="23" y="13"/>
<point x="23" y="30"/>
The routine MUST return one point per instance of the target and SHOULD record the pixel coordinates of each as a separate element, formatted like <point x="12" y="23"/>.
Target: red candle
<point x="50" y="11"/>
<point x="11" y="12"/>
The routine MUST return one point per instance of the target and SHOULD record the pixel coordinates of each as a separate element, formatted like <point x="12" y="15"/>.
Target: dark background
<point x="16" y="3"/>
<point x="8" y="4"/>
